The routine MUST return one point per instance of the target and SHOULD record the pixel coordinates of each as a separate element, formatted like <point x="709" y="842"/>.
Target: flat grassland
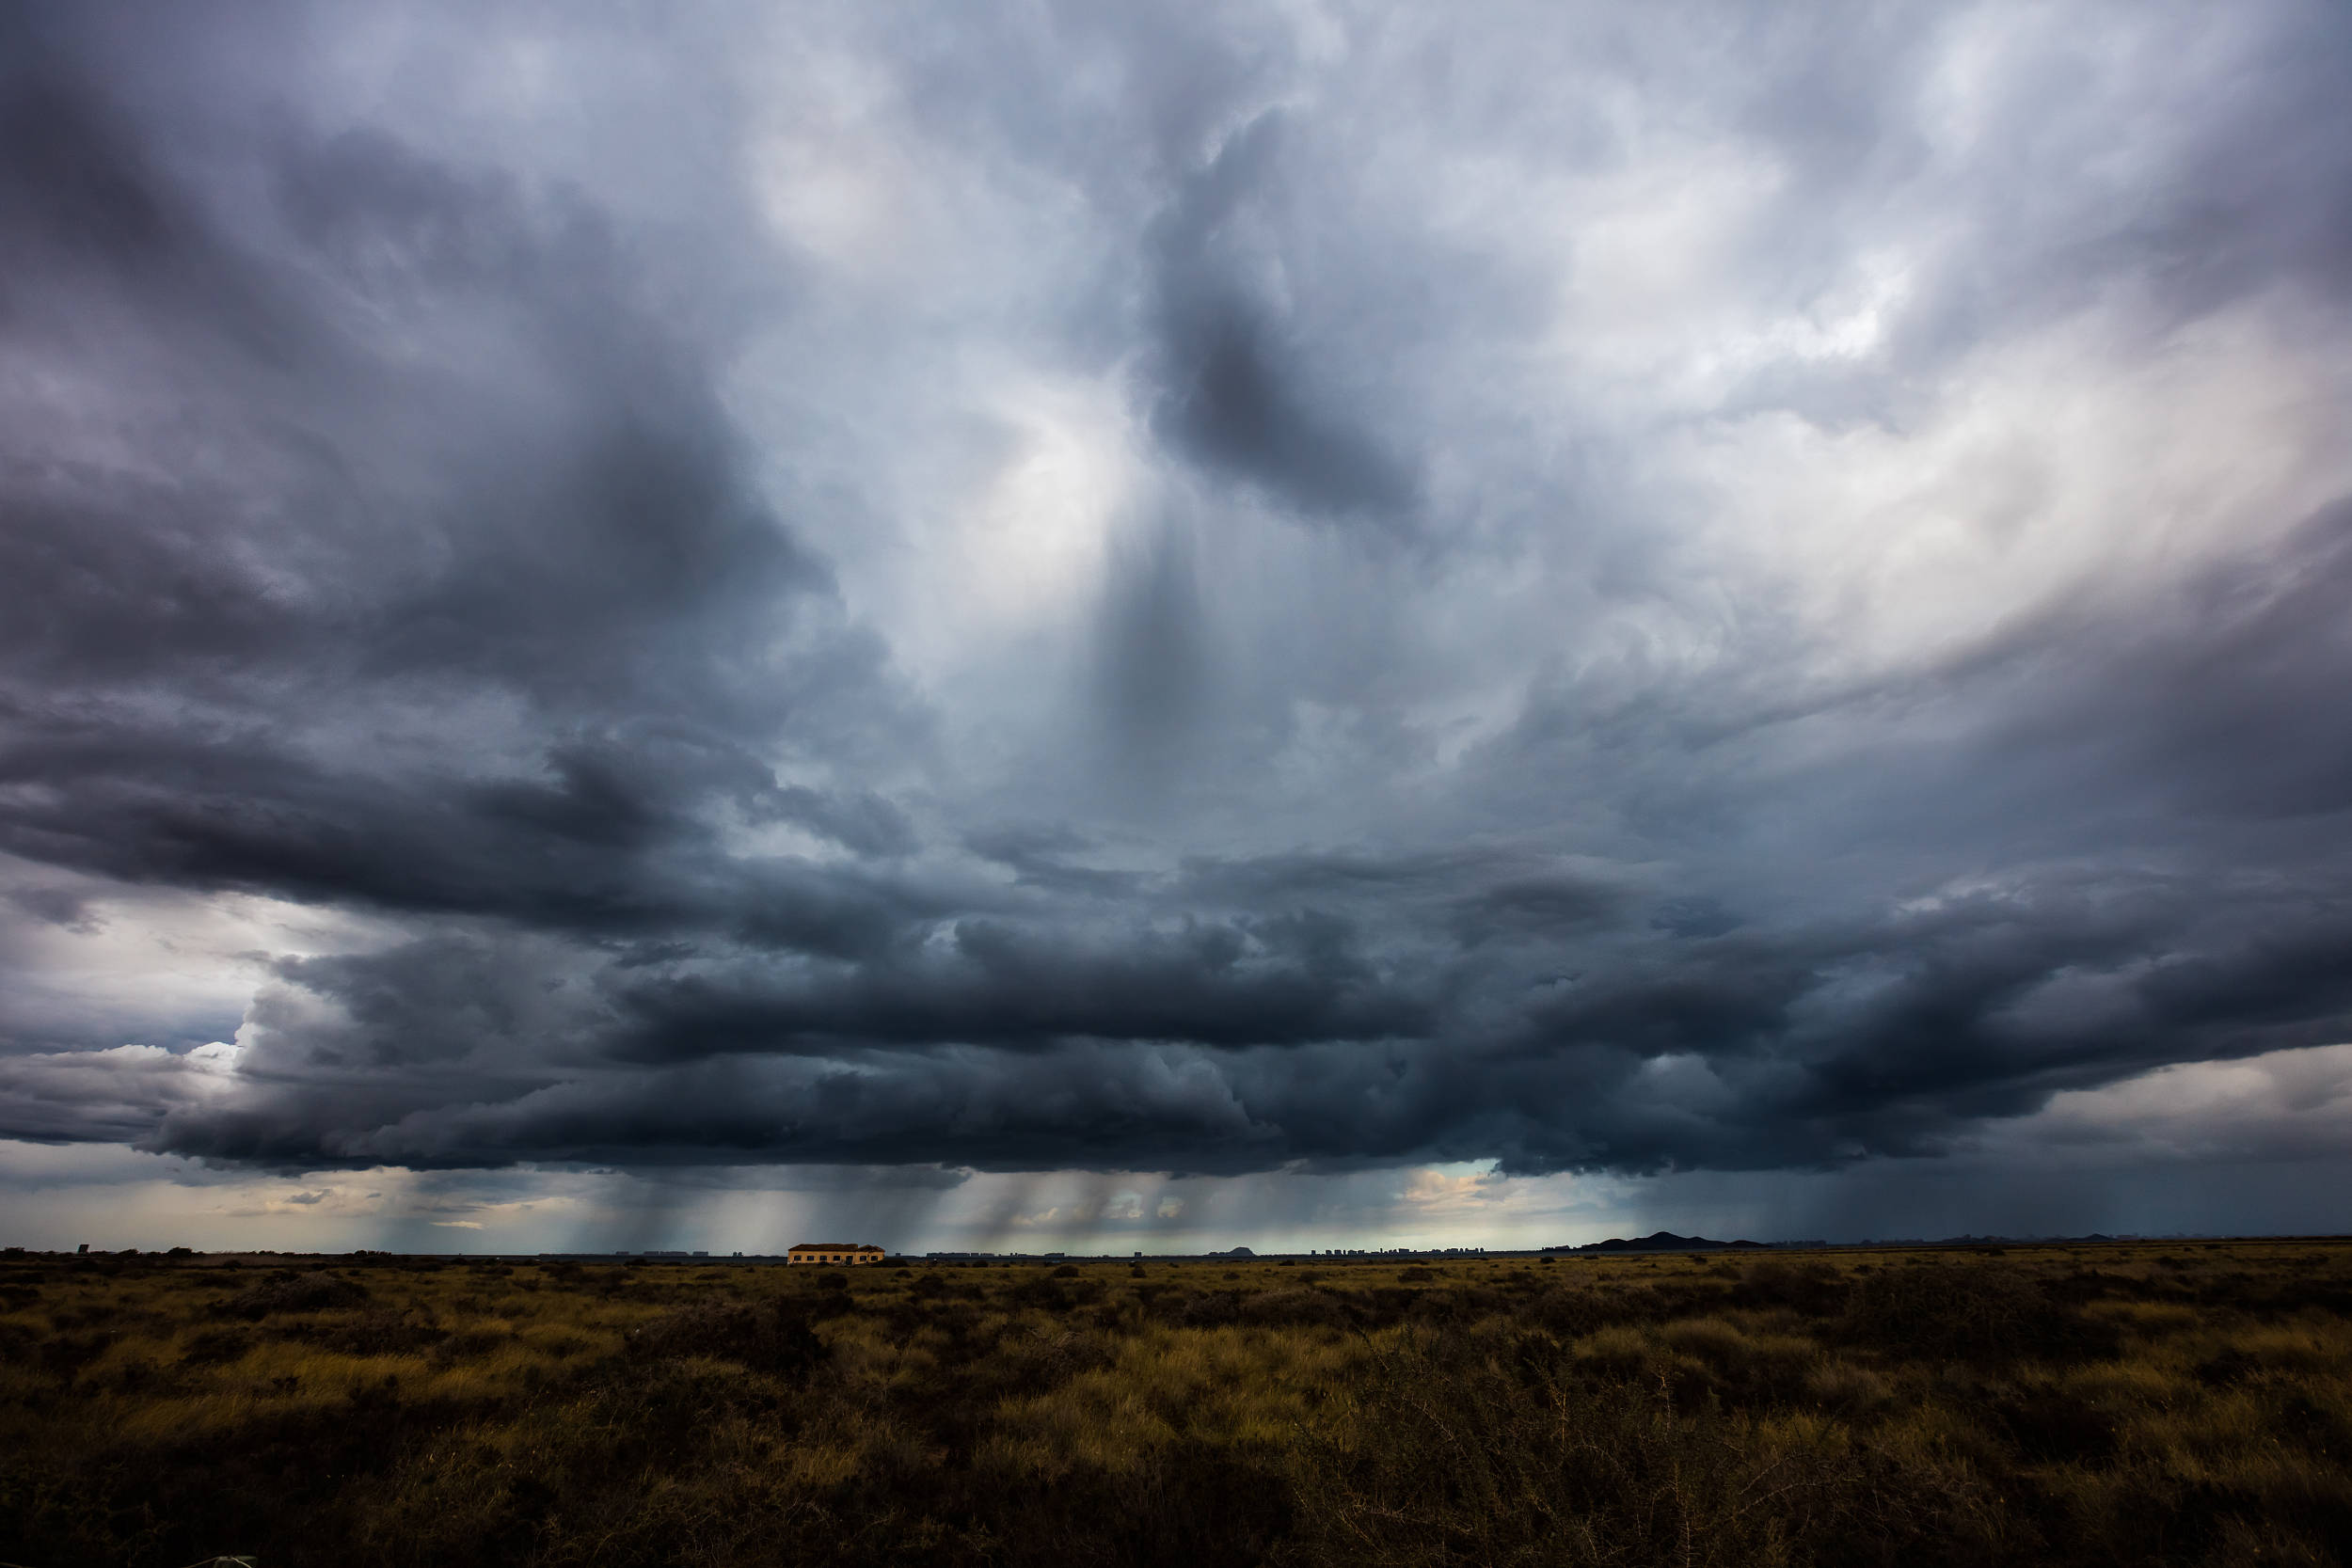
<point x="2180" y="1403"/>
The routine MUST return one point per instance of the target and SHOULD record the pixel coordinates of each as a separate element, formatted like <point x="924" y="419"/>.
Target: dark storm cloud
<point x="2225" y="709"/>
<point x="1228" y="1048"/>
<point x="481" y="633"/>
<point x="397" y="528"/>
<point x="1240" y="396"/>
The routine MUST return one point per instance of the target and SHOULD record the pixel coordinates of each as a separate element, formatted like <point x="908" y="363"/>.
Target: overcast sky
<point x="1173" y="625"/>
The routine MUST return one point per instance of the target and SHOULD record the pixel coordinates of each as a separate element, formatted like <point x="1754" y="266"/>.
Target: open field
<point x="2178" y="1403"/>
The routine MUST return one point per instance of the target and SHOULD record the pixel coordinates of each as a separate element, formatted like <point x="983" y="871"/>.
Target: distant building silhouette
<point x="834" y="1252"/>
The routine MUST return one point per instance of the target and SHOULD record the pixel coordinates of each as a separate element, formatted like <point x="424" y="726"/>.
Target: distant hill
<point x="1663" y="1240"/>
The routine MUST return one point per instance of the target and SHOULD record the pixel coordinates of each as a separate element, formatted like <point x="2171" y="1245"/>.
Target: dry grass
<point x="2182" y="1403"/>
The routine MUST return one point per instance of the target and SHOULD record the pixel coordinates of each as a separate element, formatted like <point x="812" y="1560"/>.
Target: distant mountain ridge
<point x="1663" y="1240"/>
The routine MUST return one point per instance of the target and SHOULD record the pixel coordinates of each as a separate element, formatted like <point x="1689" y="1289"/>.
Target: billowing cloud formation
<point x="1159" y="588"/>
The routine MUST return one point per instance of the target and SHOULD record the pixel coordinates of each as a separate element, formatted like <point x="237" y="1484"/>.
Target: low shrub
<point x="1987" y="1314"/>
<point x="1821" y="1410"/>
<point x="216" y="1347"/>
<point x="771" y="1337"/>
<point x="315" y="1292"/>
<point x="1810" y="1285"/>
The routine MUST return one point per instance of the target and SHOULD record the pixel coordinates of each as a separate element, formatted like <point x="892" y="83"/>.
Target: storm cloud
<point x="1179" y="588"/>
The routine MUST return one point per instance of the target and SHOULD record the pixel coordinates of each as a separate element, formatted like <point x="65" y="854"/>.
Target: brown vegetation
<point x="2162" y="1404"/>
